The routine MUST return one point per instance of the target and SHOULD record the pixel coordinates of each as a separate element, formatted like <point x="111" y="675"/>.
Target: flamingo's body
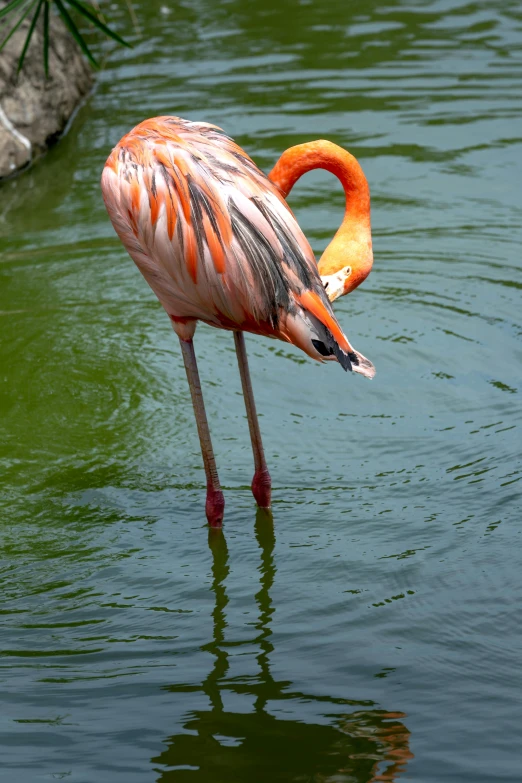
<point x="216" y="241"/>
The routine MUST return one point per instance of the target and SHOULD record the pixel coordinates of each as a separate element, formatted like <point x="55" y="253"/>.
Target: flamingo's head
<point x="342" y="280"/>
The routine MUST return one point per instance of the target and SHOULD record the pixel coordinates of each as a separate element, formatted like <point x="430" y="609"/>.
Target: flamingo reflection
<point x="361" y="743"/>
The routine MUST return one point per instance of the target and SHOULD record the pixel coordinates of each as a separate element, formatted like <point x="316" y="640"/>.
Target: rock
<point x="34" y="110"/>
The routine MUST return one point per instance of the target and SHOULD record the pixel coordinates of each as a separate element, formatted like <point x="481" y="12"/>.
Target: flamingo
<point x="217" y="242"/>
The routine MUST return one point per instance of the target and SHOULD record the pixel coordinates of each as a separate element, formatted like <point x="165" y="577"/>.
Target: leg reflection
<point x="252" y="738"/>
<point x="266" y="539"/>
<point x="220" y="569"/>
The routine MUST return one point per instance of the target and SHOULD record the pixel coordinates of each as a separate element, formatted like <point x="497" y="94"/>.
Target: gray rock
<point x="34" y="110"/>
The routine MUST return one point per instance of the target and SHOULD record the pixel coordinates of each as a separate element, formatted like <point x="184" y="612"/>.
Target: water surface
<point x="372" y="632"/>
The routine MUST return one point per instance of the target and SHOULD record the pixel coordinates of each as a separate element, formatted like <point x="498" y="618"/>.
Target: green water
<point x="374" y="631"/>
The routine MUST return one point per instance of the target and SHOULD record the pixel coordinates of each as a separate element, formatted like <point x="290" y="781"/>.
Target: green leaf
<point x="46" y="39"/>
<point x="17" y="25"/>
<point x="94" y="19"/>
<point x="29" y="35"/>
<point x="75" y="32"/>
<point x="10" y="7"/>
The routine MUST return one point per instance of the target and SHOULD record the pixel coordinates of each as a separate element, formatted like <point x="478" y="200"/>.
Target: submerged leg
<point x="215" y="504"/>
<point x="261" y="484"/>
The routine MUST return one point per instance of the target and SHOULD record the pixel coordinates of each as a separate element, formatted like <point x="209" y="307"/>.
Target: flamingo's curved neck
<point x="352" y="244"/>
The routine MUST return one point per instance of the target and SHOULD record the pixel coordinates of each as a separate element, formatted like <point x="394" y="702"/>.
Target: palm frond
<point x="76" y="5"/>
<point x="10" y="7"/>
<point x="82" y="9"/>
<point x="75" y="32"/>
<point x="17" y="25"/>
<point x="29" y="35"/>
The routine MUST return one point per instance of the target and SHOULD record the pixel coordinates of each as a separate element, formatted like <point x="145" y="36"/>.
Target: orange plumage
<point x="216" y="240"/>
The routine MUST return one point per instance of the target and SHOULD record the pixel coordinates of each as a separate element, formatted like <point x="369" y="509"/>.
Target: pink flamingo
<point x="217" y="242"/>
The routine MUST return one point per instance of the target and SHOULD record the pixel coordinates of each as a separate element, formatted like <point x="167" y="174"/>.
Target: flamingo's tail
<point x="353" y="360"/>
<point x="316" y="331"/>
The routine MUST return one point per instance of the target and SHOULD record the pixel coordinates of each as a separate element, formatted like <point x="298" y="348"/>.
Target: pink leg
<point x="261" y="484"/>
<point x="215" y="505"/>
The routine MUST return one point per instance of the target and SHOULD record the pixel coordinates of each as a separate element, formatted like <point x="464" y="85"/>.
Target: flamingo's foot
<point x="215" y="507"/>
<point x="262" y="488"/>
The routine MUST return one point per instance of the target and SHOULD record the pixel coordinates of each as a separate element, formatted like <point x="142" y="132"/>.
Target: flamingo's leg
<point x="261" y="483"/>
<point x="215" y="505"/>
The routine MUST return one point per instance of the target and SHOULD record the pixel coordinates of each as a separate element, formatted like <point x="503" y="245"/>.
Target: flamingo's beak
<point x="335" y="285"/>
